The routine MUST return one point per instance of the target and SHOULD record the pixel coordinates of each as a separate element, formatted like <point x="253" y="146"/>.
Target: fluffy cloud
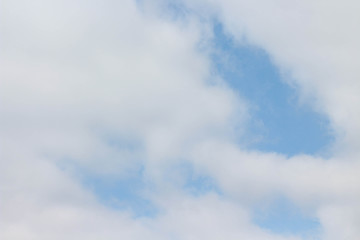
<point x="72" y="81"/>
<point x="112" y="88"/>
<point x="105" y="88"/>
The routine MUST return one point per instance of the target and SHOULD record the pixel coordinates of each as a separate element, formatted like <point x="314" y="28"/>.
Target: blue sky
<point x="279" y="119"/>
<point x="179" y="120"/>
<point x="283" y="216"/>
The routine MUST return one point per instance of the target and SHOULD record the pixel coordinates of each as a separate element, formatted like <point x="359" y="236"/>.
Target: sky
<point x="181" y="120"/>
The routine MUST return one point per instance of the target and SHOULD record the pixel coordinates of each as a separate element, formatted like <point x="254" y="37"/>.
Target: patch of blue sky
<point x="279" y="123"/>
<point x="122" y="194"/>
<point x="173" y="9"/>
<point x="284" y="217"/>
<point x="197" y="183"/>
<point x="129" y="193"/>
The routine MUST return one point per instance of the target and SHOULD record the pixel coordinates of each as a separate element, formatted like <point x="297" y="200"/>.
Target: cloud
<point x="106" y="88"/>
<point x="111" y="88"/>
<point x="305" y="178"/>
<point x="209" y="217"/>
<point x="113" y="80"/>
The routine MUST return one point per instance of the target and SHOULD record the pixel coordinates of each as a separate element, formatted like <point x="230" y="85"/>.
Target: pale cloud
<point x="145" y="82"/>
<point x="340" y="221"/>
<point x="209" y="217"/>
<point x="76" y="75"/>
<point x="308" y="180"/>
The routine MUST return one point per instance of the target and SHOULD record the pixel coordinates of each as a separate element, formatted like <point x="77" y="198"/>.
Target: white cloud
<point x="254" y="176"/>
<point x="76" y="75"/>
<point x="340" y="221"/>
<point x="209" y="217"/>
<point x="123" y="74"/>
